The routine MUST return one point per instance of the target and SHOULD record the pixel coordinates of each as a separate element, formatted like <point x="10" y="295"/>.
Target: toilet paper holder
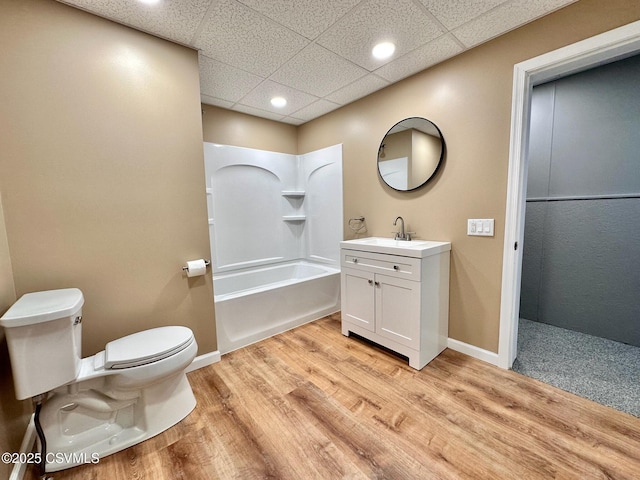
<point x="206" y="263"/>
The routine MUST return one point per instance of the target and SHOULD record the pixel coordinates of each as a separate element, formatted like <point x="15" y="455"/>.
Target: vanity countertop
<point x="410" y="248"/>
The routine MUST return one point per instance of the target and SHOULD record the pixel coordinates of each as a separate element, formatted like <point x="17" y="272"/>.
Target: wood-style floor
<point x="312" y="404"/>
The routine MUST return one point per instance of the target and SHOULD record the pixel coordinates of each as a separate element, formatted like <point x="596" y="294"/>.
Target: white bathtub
<point x="255" y="304"/>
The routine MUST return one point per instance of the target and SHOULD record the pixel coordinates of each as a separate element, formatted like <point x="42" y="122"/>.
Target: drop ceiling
<point x="315" y="53"/>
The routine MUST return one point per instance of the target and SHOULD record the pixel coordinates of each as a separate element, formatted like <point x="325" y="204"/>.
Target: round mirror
<point x="410" y="153"/>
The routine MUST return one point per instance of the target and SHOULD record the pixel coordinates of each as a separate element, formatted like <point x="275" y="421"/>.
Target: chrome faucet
<point x="401" y="235"/>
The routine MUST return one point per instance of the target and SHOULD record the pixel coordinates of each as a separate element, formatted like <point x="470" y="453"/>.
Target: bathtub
<point x="255" y="304"/>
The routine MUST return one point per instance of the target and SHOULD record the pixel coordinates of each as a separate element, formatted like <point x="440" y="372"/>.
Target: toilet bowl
<point x="95" y="406"/>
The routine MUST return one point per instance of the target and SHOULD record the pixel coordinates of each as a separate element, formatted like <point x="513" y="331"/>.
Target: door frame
<point x="607" y="47"/>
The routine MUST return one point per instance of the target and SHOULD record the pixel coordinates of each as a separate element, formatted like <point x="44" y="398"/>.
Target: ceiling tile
<point x="506" y="17"/>
<point x="256" y="112"/>
<point x="307" y="17"/>
<point x="453" y="14"/>
<point x="318" y="71"/>
<point x="358" y="89"/>
<point x="176" y="20"/>
<point x="215" y="101"/>
<point x="316" y="109"/>
<point x="224" y="81"/>
<point x="400" y="21"/>
<point x="421" y="58"/>
<point x="237" y="35"/>
<point x="315" y="53"/>
<point x="293" y="121"/>
<point x="261" y="97"/>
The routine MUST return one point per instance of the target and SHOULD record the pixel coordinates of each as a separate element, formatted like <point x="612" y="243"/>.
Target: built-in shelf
<point x="293" y="193"/>
<point x="296" y="198"/>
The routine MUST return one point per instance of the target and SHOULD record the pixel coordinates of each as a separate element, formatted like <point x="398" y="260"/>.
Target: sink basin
<point x="411" y="248"/>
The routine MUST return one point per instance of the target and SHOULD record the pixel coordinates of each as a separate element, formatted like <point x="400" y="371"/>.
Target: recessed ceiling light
<point x="278" y="102"/>
<point x="383" y="50"/>
<point x="149" y="2"/>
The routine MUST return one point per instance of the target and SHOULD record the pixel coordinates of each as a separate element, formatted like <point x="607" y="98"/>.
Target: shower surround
<point x="272" y="212"/>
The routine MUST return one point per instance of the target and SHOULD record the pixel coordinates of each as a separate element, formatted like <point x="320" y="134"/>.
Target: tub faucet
<point x="401" y="235"/>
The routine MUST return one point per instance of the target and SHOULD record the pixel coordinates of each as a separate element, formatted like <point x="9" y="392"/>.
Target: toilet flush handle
<point x="77" y="320"/>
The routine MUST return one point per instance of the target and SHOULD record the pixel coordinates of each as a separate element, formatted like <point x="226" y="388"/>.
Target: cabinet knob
<point x="355" y="260"/>
<point x="395" y="267"/>
<point x="377" y="284"/>
<point x="370" y="282"/>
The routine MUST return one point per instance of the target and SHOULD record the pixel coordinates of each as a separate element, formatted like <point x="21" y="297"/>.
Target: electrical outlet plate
<point x="480" y="227"/>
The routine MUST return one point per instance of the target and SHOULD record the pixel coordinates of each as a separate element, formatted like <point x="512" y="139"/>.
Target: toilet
<point x="95" y="406"/>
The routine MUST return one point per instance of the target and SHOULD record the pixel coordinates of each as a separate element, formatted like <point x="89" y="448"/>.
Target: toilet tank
<point x="44" y="335"/>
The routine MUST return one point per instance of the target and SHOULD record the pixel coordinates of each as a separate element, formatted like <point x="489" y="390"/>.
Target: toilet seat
<point x="146" y="347"/>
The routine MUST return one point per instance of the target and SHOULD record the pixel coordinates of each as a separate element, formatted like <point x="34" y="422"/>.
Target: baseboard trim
<point x="473" y="351"/>
<point x="205" y="360"/>
<point x="19" y="469"/>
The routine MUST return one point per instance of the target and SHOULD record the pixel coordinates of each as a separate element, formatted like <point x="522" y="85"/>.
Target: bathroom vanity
<point x="396" y="294"/>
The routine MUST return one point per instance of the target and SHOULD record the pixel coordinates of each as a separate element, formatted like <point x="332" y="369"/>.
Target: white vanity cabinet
<point x="397" y="301"/>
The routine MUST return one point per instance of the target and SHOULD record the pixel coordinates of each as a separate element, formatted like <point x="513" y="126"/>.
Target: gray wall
<point x="581" y="264"/>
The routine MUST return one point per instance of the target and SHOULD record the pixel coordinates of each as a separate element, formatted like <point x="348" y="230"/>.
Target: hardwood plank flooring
<point x="313" y="404"/>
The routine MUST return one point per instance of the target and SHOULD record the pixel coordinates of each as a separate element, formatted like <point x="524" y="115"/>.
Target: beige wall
<point x="102" y="178"/>
<point x="426" y="152"/>
<point x="469" y="98"/>
<point x="101" y="170"/>
<point x="397" y="145"/>
<point x="14" y="415"/>
<point x="233" y="128"/>
<point x="7" y="287"/>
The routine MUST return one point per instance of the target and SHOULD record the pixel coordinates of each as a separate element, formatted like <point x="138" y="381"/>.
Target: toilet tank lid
<point x="38" y="307"/>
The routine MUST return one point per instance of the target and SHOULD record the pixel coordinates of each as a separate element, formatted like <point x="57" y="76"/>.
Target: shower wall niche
<point x="268" y="207"/>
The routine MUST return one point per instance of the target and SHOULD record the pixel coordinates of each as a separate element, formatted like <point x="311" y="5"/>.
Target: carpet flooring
<point x="601" y="370"/>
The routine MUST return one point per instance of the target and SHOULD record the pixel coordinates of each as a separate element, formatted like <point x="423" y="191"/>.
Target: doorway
<point x="603" y="49"/>
<point x="599" y="50"/>
<point x="579" y="303"/>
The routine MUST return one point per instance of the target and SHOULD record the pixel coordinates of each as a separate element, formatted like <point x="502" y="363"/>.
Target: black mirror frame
<point x="435" y="170"/>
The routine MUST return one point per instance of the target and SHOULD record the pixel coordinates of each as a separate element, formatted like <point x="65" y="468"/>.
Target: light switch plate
<point x="481" y="227"/>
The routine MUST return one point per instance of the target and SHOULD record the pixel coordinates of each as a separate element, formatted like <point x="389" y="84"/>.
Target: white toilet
<point x="132" y="390"/>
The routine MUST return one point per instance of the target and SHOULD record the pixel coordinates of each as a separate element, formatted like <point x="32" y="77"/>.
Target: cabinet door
<point x="398" y="310"/>
<point x="357" y="297"/>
